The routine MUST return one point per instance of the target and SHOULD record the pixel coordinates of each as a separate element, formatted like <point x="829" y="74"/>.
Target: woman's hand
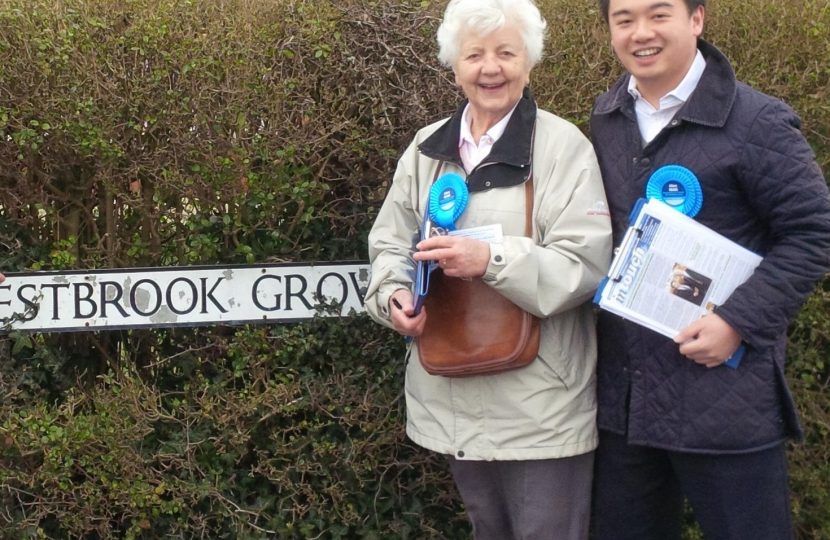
<point x="458" y="256"/>
<point x="402" y="313"/>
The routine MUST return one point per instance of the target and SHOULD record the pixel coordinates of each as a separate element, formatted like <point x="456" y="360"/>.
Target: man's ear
<point x="698" y="15"/>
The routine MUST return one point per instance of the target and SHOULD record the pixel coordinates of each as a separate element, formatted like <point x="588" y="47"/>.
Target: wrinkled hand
<point x="458" y="256"/>
<point x="403" y="318"/>
<point x="709" y="341"/>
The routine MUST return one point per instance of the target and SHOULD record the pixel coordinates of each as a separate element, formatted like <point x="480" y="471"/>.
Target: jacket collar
<point x="710" y="103"/>
<point x="512" y="148"/>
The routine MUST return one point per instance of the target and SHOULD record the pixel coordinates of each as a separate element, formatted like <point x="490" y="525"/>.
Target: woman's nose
<point x="491" y="64"/>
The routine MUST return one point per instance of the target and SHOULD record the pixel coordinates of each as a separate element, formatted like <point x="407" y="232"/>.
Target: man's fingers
<point x="689" y="333"/>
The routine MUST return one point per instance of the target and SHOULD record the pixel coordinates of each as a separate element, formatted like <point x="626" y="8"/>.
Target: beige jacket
<point x="547" y="409"/>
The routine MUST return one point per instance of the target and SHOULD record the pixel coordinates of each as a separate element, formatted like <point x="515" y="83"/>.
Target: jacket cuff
<point x="384" y="297"/>
<point x="496" y="263"/>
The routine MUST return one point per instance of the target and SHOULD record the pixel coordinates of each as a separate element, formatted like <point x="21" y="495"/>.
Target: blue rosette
<point x="678" y="187"/>
<point x="447" y="200"/>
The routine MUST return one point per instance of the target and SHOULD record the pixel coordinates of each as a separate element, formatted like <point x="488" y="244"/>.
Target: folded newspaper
<point x="671" y="270"/>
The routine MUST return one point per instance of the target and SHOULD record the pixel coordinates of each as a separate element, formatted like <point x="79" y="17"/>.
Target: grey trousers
<point x="547" y="499"/>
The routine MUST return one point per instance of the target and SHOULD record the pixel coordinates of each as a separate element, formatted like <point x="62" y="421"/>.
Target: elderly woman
<point x="520" y="442"/>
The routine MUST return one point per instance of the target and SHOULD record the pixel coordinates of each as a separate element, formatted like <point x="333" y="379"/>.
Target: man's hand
<point x="403" y="314"/>
<point x="456" y="255"/>
<point x="709" y="341"/>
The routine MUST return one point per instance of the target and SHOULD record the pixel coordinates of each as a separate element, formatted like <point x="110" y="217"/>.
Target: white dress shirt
<point x="651" y="120"/>
<point x="471" y="153"/>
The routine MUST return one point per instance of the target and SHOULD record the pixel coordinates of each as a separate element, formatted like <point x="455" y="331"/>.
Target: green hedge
<point x="178" y="132"/>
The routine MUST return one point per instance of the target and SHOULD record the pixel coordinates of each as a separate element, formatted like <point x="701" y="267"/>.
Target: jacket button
<point x="461" y="453"/>
<point x="645" y="161"/>
<point x="498" y="258"/>
<point x="487" y="184"/>
<point x="634" y="161"/>
<point x="674" y="122"/>
<point x="638" y="374"/>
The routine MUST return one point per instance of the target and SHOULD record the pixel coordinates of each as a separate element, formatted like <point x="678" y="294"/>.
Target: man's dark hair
<point x="691" y="5"/>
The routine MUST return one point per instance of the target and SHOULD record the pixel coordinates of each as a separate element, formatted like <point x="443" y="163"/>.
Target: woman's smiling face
<point x="492" y="70"/>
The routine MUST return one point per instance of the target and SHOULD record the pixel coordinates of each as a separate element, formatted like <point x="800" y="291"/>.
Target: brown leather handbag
<point x="472" y="329"/>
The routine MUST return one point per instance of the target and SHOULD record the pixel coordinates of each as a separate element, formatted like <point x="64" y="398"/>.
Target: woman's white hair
<point x="486" y="16"/>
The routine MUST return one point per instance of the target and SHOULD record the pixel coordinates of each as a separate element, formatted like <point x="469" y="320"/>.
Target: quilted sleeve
<point x="787" y="191"/>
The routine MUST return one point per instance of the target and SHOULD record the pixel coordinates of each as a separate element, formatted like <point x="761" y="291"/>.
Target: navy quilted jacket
<point x="762" y="189"/>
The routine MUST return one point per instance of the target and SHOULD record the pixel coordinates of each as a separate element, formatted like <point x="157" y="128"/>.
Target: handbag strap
<point x="529" y="205"/>
<point x="529" y="188"/>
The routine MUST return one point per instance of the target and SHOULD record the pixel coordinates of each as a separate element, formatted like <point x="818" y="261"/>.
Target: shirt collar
<point x="514" y="148"/>
<point x="709" y="105"/>
<point x="680" y="94"/>
<point x="511" y="154"/>
<point x="494" y="132"/>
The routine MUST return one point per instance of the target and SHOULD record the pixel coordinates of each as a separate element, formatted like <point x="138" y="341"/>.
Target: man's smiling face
<point x="656" y="41"/>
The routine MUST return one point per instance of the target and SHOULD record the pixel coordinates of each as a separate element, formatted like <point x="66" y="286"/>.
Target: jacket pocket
<point x="568" y="346"/>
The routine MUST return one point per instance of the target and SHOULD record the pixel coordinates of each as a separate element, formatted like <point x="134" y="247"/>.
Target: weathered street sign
<point x="179" y="296"/>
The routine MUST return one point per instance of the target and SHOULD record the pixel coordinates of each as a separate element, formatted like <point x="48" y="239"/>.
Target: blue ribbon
<point x="447" y="200"/>
<point x="678" y="187"/>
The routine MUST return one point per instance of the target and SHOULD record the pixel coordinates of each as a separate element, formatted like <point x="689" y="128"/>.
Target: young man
<point x="673" y="421"/>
